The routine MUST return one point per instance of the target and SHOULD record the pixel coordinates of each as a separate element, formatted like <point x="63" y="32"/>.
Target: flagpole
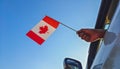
<point x="68" y="27"/>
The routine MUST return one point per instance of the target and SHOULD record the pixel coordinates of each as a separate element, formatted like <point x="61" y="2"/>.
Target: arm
<point x="91" y="35"/>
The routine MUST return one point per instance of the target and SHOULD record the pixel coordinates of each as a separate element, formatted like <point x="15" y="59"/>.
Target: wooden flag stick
<point x="68" y="27"/>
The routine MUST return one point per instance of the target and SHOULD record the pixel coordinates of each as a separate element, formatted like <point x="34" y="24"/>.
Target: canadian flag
<point x="43" y="29"/>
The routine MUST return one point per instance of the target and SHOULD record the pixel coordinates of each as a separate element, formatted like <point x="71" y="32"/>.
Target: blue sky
<point x="17" y="17"/>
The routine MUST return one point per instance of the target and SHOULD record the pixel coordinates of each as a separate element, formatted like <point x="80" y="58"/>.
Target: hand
<point x="91" y="35"/>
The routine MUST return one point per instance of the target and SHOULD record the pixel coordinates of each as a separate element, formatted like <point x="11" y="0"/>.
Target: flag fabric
<point x="43" y="29"/>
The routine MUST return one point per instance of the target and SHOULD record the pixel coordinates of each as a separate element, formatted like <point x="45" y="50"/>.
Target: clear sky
<point x="17" y="17"/>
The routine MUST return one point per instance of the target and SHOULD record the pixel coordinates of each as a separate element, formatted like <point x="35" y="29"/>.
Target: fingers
<point x="83" y="35"/>
<point x="80" y="32"/>
<point x="86" y="37"/>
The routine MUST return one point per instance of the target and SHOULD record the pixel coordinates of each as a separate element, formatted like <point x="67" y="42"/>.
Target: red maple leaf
<point x="43" y="29"/>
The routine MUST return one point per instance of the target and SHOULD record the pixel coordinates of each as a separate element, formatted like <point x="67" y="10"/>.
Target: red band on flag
<point x="51" y="21"/>
<point x="35" y="37"/>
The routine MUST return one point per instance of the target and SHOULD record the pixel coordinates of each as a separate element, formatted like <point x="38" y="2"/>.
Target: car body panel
<point x="108" y="55"/>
